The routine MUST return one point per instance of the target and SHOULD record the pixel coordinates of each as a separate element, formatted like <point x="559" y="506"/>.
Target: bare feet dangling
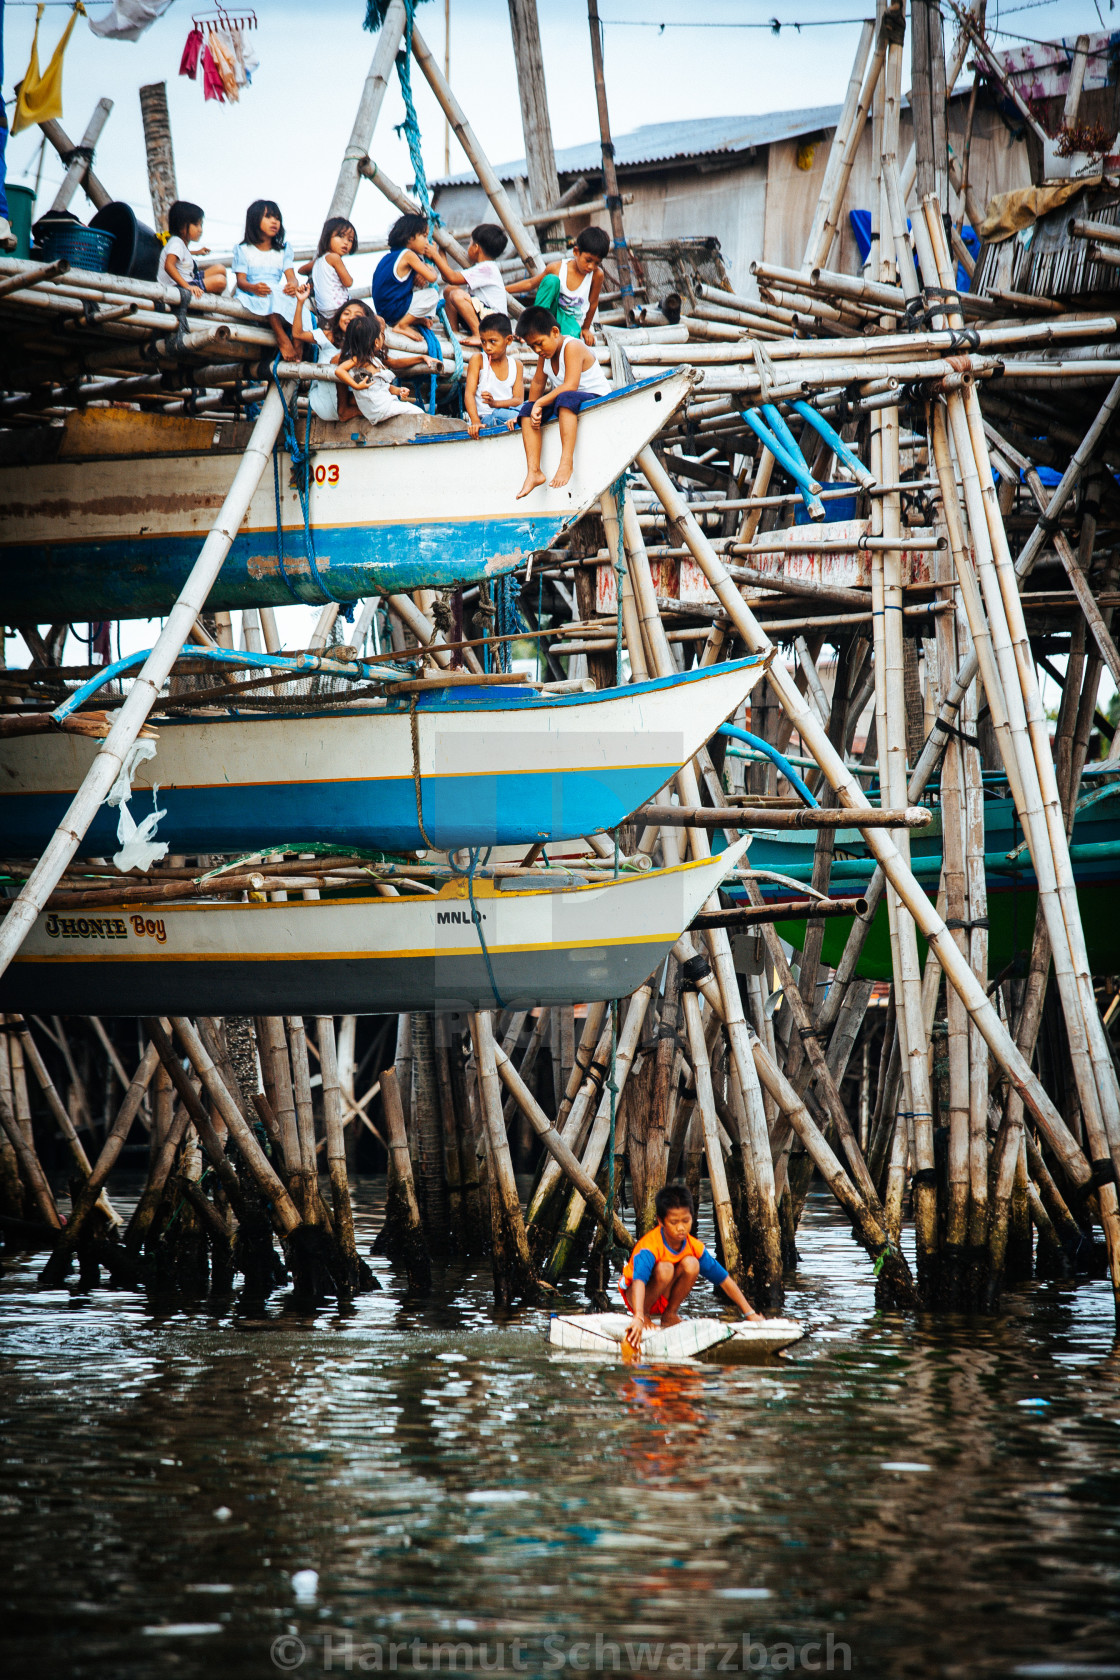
<point x="532" y="481"/>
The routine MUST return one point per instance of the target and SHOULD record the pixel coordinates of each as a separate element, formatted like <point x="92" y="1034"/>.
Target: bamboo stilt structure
<point x="514" y="1273"/>
<point x="882" y="847"/>
<point x="402" y="1231"/>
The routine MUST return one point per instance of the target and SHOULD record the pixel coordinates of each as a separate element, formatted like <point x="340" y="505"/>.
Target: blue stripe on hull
<point x="458" y="811"/>
<point x="328" y="986"/>
<point x="141" y="577"/>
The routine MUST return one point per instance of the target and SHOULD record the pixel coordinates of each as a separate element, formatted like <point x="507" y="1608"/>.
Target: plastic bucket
<point x="135" y="249"/>
<point x="21" y="210"/>
<point x="844" y="507"/>
<point x="82" y="247"/>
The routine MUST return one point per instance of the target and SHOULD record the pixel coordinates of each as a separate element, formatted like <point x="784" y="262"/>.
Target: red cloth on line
<point x="211" y="77"/>
<point x="188" y="64"/>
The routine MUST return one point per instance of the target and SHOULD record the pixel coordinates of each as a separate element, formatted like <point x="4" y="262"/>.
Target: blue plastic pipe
<point x="734" y="733"/>
<point x="835" y="442"/>
<point x="793" y="463"/>
<point x="355" y="669"/>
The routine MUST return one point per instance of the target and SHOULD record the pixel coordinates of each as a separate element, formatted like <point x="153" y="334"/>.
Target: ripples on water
<point x="167" y="1476"/>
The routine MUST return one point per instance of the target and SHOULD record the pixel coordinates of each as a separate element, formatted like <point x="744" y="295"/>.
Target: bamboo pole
<point x="369" y="108"/>
<point x="839" y="138"/>
<point x="610" y="173"/>
<point x="572" y="1126"/>
<point x="33" y="1175"/>
<point x="767" y="816"/>
<point x="79" y="169"/>
<point x="522" y="239"/>
<point x="88" y="1197"/>
<point x="285" y="1216"/>
<point x="999" y="583"/>
<point x="343" y="1213"/>
<point x="568" y="1162"/>
<point x="402" y="1229"/>
<point x="514" y="1273"/>
<point x="816" y="254"/>
<point x="110" y="758"/>
<point x="625" y="1053"/>
<point x="979" y="1006"/>
<point x="706" y="1104"/>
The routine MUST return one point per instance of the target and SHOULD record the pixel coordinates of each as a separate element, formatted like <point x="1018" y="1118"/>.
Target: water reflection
<point x="938" y="1497"/>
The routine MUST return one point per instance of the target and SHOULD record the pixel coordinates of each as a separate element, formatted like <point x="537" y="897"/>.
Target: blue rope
<point x="476" y="918"/>
<point x="301" y="467"/>
<point x="510" y="621"/>
<point x="410" y="128"/>
<point x="431" y="343"/>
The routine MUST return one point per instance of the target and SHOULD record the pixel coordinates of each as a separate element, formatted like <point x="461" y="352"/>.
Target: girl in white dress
<point x="178" y="267"/>
<point x="329" y="401"/>
<point x="362" y="366"/>
<point x="265" y="269"/>
<point x="330" y="277"/>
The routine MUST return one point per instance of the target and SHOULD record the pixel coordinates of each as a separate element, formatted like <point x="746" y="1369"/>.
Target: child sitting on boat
<point x="265" y="269"/>
<point x="330" y="277"/>
<point x="571" y="285"/>
<point x="178" y="267"/>
<point x="666" y="1263"/>
<point x="329" y="401"/>
<point x="478" y="289"/>
<point x="404" y="289"/>
<point x="567" y="376"/>
<point x="495" y="378"/>
<point x="368" y="371"/>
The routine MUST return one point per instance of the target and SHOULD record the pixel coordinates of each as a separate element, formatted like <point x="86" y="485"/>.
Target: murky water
<point x="897" y="1498"/>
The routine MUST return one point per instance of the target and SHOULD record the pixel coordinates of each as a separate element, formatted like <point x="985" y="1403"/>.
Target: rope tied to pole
<point x="300" y="454"/>
<point x="473" y="853"/>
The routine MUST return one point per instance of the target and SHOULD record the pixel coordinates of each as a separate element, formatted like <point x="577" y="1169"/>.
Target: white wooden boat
<point x="496" y="766"/>
<point x="364" y="956"/>
<point x="713" y="1340"/>
<point x="113" y="530"/>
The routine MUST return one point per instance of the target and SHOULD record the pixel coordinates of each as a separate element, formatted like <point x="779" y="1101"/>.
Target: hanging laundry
<point x="39" y="95"/>
<point x="249" y="59"/>
<point x="211" y="77"/>
<point x="221" y="51"/>
<point x="237" y="49"/>
<point x="192" y="52"/>
<point x="128" y="19"/>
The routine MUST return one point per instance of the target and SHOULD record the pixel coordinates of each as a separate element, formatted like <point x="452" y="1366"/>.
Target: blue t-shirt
<point x="645" y="1260"/>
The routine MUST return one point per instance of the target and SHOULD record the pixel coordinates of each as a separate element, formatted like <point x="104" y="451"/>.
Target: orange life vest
<point x="655" y="1240"/>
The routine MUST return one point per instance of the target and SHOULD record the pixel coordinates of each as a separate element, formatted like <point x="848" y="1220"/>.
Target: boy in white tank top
<point x="567" y="376"/>
<point x="495" y="378"/>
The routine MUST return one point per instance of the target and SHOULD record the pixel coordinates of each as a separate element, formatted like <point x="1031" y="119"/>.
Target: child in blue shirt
<point x="667" y="1262"/>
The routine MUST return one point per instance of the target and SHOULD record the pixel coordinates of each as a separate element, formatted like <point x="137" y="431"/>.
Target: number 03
<point x="326" y="475"/>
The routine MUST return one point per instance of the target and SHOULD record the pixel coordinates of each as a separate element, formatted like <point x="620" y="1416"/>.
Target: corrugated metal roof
<point x="659" y="142"/>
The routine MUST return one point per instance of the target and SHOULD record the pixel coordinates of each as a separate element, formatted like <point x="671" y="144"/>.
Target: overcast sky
<point x="286" y="136"/>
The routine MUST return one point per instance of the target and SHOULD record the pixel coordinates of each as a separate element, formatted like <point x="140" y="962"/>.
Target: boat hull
<point x="116" y="537"/>
<point x="361" y="955"/>
<point x="496" y="768"/>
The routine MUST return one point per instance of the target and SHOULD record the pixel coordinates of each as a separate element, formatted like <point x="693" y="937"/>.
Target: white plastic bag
<point x="138" y="848"/>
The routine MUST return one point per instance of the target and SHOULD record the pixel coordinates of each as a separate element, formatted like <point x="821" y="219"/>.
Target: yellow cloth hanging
<point x="39" y="97"/>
